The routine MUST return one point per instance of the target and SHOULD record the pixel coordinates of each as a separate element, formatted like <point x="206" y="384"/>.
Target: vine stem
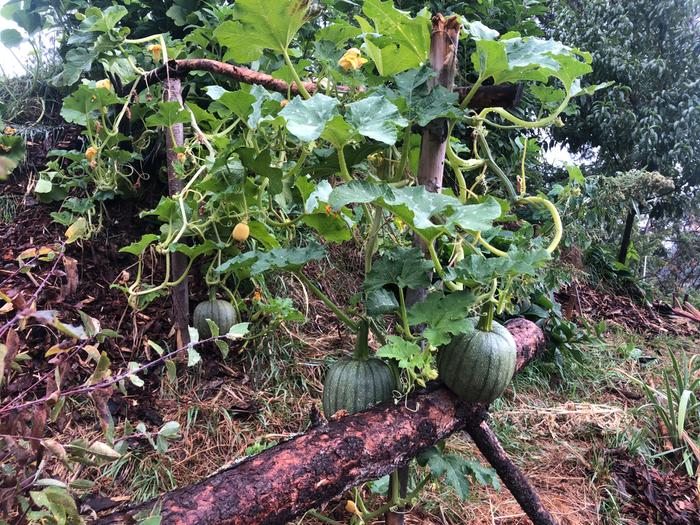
<point x="520" y="123"/>
<point x="404" y="315"/>
<point x="472" y="92"/>
<point x="367" y="518"/>
<point x="371" y="243"/>
<point x="556" y="219"/>
<point x="295" y="75"/>
<point x="344" y="172"/>
<point x="405" y="150"/>
<point x="492" y="164"/>
<point x="327" y="301"/>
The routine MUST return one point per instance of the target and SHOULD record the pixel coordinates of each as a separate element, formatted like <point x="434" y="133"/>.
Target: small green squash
<point x="222" y="313"/>
<point x="478" y="366"/>
<point x="355" y="384"/>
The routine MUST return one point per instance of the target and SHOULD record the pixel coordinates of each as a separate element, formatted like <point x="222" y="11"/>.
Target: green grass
<point x="8" y="208"/>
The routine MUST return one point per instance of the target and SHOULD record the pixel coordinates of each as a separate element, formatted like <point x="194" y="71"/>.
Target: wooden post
<point x="626" y="236"/>
<point x="488" y="444"/>
<point x="175" y="137"/>
<point x="444" y="40"/>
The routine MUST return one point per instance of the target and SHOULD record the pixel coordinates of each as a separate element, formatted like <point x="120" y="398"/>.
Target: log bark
<point x="488" y="444"/>
<point x="444" y="41"/>
<point x="626" y="236"/>
<point x="285" y="481"/>
<point x="179" y="294"/>
<point x="505" y="95"/>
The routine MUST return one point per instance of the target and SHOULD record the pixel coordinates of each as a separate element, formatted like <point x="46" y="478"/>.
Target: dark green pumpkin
<point x="478" y="366"/>
<point x="355" y="384"/>
<point x="222" y="313"/>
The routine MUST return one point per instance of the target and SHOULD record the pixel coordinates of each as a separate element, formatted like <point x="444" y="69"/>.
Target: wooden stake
<point x="488" y="444"/>
<point x="444" y="40"/>
<point x="175" y="137"/>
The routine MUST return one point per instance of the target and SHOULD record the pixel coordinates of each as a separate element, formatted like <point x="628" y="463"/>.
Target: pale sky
<point x="10" y="65"/>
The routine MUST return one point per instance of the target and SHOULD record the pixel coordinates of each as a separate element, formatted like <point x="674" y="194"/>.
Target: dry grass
<point x="266" y="394"/>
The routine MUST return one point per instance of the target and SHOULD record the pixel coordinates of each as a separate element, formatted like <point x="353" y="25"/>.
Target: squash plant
<point x="271" y="178"/>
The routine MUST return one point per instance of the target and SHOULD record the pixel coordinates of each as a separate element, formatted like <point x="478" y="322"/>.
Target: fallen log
<point x="285" y="481"/>
<point x="505" y="95"/>
<point x="487" y="442"/>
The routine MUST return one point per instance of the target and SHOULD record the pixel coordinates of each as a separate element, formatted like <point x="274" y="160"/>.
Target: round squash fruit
<point x="355" y="384"/>
<point x="478" y="366"/>
<point x="222" y="313"/>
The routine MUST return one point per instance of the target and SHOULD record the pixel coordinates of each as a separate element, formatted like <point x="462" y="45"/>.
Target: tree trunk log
<point x="505" y="95"/>
<point x="444" y="40"/>
<point x="179" y="294"/>
<point x="488" y="444"/>
<point x="626" y="237"/>
<point x="285" y="481"/>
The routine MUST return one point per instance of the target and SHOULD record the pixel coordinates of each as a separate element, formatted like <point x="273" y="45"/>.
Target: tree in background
<point x="650" y="118"/>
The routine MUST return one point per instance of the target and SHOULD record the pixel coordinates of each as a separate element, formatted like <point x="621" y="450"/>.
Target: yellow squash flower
<point x="155" y="50"/>
<point x="91" y="153"/>
<point x="352" y="59"/>
<point x="104" y="83"/>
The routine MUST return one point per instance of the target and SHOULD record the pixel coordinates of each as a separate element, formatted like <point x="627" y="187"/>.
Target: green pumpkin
<point x="222" y="313"/>
<point x="478" y="366"/>
<point x="355" y="384"/>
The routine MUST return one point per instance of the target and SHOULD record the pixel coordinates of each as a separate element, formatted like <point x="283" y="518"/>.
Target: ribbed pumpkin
<point x="478" y="366"/>
<point x="355" y="384"/>
<point x="221" y="312"/>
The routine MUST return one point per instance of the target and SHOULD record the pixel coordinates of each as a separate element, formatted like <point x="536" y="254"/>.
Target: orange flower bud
<point x="105" y="83"/>
<point x="240" y="232"/>
<point x="91" y="153"/>
<point x="156" y="50"/>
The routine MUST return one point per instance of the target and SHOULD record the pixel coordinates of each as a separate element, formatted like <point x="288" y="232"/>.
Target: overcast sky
<point x="10" y="65"/>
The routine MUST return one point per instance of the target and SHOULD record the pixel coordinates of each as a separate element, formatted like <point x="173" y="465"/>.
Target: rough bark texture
<point x="444" y="40"/>
<point x="175" y="137"/>
<point x="626" y="237"/>
<point x="512" y="477"/>
<point x="287" y="480"/>
<point x="487" y="96"/>
<point x="443" y="59"/>
<point x="502" y="95"/>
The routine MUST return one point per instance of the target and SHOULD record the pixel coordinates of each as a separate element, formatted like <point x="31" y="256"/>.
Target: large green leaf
<point x="237" y="102"/>
<point x="444" y="316"/>
<point x="259" y="25"/>
<point x="377" y="118"/>
<point x="13" y="149"/>
<point x="513" y="58"/>
<point x="338" y="132"/>
<point x="479" y="270"/>
<point x="429" y="214"/>
<point x="77" y="61"/>
<point x="404" y="267"/>
<point x="420" y="103"/>
<point x="168" y="113"/>
<point x="85" y="102"/>
<point x="265" y="107"/>
<point x="10" y="37"/>
<point x="277" y="259"/>
<point x="457" y="470"/>
<point x="306" y="119"/>
<point x="396" y="42"/>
